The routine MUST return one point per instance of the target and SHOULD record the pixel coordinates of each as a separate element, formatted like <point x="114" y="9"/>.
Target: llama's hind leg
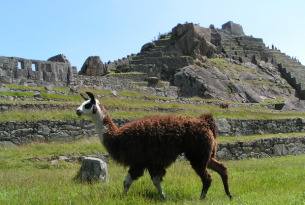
<point x="134" y="173"/>
<point x="156" y="175"/>
<point x="206" y="177"/>
<point x="221" y="169"/>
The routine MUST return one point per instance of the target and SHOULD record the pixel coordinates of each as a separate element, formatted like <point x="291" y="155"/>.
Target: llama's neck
<point x="103" y="123"/>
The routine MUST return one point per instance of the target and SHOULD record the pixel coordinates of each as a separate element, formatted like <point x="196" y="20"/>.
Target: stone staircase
<point x="244" y="48"/>
<point x="249" y="49"/>
<point x="292" y="71"/>
<point x="162" y="61"/>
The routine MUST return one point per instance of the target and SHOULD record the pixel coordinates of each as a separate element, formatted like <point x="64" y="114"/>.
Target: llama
<point x="153" y="144"/>
<point x="224" y="105"/>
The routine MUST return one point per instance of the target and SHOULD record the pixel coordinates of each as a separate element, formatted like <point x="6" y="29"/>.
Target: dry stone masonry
<point x="263" y="148"/>
<point x="18" y="133"/>
<point x="57" y="71"/>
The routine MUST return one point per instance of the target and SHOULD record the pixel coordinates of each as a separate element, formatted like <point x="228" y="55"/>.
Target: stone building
<point x="56" y="71"/>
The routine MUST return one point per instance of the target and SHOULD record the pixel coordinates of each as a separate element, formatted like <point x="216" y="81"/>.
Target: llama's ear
<point x="92" y="97"/>
<point x="83" y="95"/>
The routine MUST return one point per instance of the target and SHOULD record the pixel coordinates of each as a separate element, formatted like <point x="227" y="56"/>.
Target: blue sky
<point x="113" y="29"/>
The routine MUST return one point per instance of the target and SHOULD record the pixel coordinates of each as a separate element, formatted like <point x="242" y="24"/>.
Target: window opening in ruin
<point x="48" y="68"/>
<point x="34" y="67"/>
<point x="19" y="65"/>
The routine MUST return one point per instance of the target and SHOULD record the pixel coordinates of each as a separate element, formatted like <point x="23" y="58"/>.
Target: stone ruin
<point x="189" y="45"/>
<point x="56" y="71"/>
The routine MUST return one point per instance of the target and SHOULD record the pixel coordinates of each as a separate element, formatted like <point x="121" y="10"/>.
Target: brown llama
<point x="224" y="105"/>
<point x="153" y="143"/>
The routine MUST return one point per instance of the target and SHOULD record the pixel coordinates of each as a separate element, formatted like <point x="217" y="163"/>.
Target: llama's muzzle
<point x="79" y="112"/>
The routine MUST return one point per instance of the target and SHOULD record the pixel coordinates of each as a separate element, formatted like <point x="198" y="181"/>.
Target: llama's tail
<point x="212" y="122"/>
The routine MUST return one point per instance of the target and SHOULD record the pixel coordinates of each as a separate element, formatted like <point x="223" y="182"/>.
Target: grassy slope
<point x="278" y="180"/>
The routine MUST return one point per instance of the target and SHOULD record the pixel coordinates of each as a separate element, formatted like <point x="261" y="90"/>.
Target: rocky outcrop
<point x="196" y="81"/>
<point x="233" y="81"/>
<point x="93" y="66"/>
<point x="148" y="46"/>
<point x="193" y="40"/>
<point x="233" y="28"/>
<point x="59" y="58"/>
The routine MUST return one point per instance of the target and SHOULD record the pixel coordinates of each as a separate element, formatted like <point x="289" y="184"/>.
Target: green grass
<point x="278" y="180"/>
<point x="30" y="115"/>
<point x="132" y="109"/>
<point x="18" y="94"/>
<point x="113" y="73"/>
<point x="221" y="64"/>
<point x="61" y="97"/>
<point x="256" y="137"/>
<point x="14" y="86"/>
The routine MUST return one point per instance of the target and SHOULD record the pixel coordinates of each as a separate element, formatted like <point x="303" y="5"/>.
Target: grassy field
<point x="131" y="109"/>
<point x="278" y="180"/>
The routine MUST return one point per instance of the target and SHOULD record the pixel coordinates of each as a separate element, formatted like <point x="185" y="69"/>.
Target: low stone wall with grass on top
<point x="18" y="133"/>
<point x="263" y="148"/>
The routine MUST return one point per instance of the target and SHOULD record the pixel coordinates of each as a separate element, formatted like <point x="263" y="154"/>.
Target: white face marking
<point x="81" y="110"/>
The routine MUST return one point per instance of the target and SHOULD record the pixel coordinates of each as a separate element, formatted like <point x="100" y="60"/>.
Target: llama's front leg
<point x="127" y="183"/>
<point x="134" y="173"/>
<point x="157" y="182"/>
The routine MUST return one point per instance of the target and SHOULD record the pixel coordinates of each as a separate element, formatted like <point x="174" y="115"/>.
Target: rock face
<point x="93" y="169"/>
<point x="93" y="66"/>
<point x="233" y="81"/>
<point x="193" y="40"/>
<point x="233" y="28"/>
<point x="196" y="81"/>
<point x="298" y="105"/>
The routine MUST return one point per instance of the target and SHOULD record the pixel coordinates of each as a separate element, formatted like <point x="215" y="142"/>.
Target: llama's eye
<point x="88" y="106"/>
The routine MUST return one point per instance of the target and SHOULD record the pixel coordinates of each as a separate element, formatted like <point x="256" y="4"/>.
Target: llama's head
<point x="88" y="107"/>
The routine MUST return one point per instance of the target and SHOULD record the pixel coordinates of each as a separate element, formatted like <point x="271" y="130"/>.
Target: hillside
<point x="211" y="63"/>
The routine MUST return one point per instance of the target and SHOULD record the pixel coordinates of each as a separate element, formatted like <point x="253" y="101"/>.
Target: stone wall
<point x="22" y="133"/>
<point x="295" y="82"/>
<point x="18" y="133"/>
<point x="263" y="148"/>
<point x="69" y="130"/>
<point x="242" y="127"/>
<point x="34" y="73"/>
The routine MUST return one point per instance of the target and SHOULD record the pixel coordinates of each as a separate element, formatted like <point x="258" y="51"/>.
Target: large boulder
<point x="233" y="28"/>
<point x="93" y="169"/>
<point x="148" y="46"/>
<point x="294" y="106"/>
<point x="59" y="58"/>
<point x="93" y="66"/>
<point x="193" y="40"/>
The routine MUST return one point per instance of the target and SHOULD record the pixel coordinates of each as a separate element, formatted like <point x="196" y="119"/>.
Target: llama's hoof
<point x="162" y="196"/>
<point x="231" y="196"/>
<point x="203" y="195"/>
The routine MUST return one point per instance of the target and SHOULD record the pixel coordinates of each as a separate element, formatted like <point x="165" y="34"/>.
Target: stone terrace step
<point x="166" y="42"/>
